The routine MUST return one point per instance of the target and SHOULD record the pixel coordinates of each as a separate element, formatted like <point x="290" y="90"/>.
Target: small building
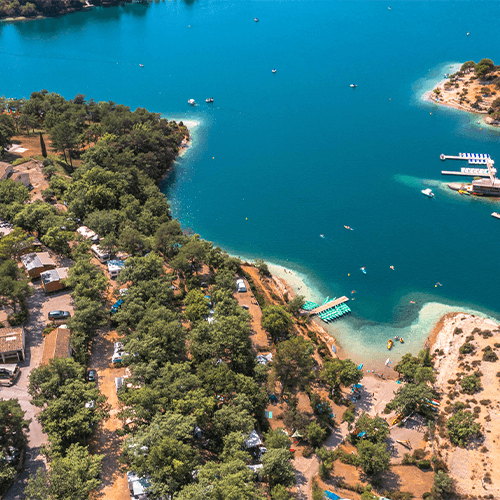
<point x="138" y="486"/>
<point x="6" y="170"/>
<point x="86" y="233"/>
<point x="12" y="343"/>
<point x="37" y="263"/>
<point x="100" y="254"/>
<point x="22" y="177"/>
<point x="52" y="280"/>
<point x="57" y="344"/>
<point x="486" y="187"/>
<point x="25" y="248"/>
<point x="114" y="267"/>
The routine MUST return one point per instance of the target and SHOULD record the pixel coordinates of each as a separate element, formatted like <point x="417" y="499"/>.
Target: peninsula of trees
<point x="48" y="8"/>
<point x="474" y="88"/>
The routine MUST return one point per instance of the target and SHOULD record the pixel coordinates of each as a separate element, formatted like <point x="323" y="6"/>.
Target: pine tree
<point x="42" y="146"/>
<point x="427" y="360"/>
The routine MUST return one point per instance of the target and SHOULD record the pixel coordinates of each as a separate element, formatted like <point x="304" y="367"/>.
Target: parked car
<point x="92" y="376"/>
<point x="59" y="315"/>
<point x="117" y="357"/>
<point x="118" y="383"/>
<point x="240" y="284"/>
<point x="118" y="346"/>
<point x="116" y="306"/>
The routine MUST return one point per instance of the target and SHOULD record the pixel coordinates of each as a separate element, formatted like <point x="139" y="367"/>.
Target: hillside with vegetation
<point x="47" y="8"/>
<point x="194" y="391"/>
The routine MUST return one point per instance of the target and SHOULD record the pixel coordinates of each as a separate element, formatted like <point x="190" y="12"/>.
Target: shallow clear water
<point x="279" y="159"/>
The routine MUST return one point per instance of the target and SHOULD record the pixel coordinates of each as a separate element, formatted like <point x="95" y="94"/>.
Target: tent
<point x="253" y="440"/>
<point x="297" y="434"/>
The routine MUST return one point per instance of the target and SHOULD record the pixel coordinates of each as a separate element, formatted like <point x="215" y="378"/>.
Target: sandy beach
<point x="465" y="92"/>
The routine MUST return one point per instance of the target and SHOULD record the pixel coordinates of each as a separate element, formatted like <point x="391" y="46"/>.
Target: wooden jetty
<point x="329" y="305"/>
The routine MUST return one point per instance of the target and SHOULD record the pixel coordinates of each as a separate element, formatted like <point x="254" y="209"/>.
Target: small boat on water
<point x="496" y="215"/>
<point x="428" y="192"/>
<point x="401" y="340"/>
<point x="353" y="85"/>
<point x="390" y="343"/>
<point x="363" y="269"/>
<point x="141" y="65"/>
<point x="274" y="70"/>
<point x="349" y="227"/>
<point x="210" y="99"/>
<point x="192" y="102"/>
<point x="256" y="20"/>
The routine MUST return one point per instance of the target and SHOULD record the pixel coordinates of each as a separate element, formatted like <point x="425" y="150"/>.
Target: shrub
<point x="485" y="402"/>
<point x="461" y="428"/>
<point x="317" y="492"/>
<point x="489" y="355"/>
<point x="279" y="492"/>
<point x="324" y="471"/>
<point x="348" y="416"/>
<point x="443" y="485"/>
<point x="398" y="495"/>
<point x="424" y="464"/>
<point x="466" y="348"/>
<point x="18" y="318"/>
<point x="418" y="454"/>
<point x="457" y="331"/>
<point x="439" y="464"/>
<point x="307" y="451"/>
<point x="408" y="459"/>
<point x="486" y="334"/>
<point x="470" y="384"/>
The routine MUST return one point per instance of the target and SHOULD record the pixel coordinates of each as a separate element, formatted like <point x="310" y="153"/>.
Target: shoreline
<point x="454" y="93"/>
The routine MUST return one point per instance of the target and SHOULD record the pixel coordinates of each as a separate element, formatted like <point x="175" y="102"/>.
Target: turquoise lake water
<point x="280" y="159"/>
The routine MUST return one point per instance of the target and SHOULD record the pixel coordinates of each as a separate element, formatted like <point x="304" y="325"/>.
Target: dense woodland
<point x="196" y="391"/>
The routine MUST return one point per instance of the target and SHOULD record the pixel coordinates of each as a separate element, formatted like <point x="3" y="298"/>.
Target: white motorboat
<point x="192" y="102"/>
<point x="256" y="20"/>
<point x="353" y="85"/>
<point x="210" y="99"/>
<point x="274" y="71"/>
<point x="427" y="192"/>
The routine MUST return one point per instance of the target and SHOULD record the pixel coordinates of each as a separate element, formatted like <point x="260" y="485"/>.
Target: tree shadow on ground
<point x="390" y="481"/>
<point x="110" y="446"/>
<point x="34" y="461"/>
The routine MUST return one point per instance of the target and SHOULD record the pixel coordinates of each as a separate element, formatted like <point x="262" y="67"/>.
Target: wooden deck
<point x="329" y="305"/>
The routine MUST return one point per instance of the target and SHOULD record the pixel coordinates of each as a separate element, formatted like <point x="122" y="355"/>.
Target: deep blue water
<point x="281" y="158"/>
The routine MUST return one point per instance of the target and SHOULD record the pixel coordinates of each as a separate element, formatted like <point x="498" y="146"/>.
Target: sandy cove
<point x="467" y="466"/>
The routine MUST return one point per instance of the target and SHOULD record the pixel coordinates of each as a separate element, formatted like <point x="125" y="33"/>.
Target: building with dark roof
<point x="37" y="263"/>
<point x="52" y="280"/>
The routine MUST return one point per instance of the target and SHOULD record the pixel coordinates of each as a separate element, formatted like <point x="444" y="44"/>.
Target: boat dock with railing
<point x="487" y="185"/>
